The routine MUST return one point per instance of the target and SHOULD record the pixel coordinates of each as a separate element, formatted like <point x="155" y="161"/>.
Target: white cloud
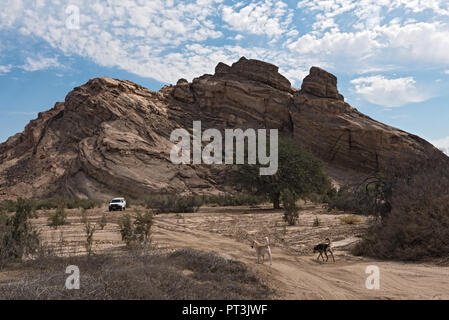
<point x="369" y="13"/>
<point x="442" y="144"/>
<point x="271" y="18"/>
<point x="167" y="40"/>
<point x="418" y="44"/>
<point x="40" y="63"/>
<point x="11" y="9"/>
<point x="388" y="92"/>
<point x="5" y="69"/>
<point x="440" y="7"/>
<point x="446" y="71"/>
<point x="146" y="38"/>
<point x="335" y="43"/>
<point x="377" y="33"/>
<point x="421" y="42"/>
<point x="164" y="40"/>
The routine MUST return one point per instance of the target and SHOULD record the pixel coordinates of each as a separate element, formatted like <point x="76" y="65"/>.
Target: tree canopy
<point x="298" y="171"/>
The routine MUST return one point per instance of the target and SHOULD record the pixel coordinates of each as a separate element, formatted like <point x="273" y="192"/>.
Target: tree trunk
<point x="276" y="201"/>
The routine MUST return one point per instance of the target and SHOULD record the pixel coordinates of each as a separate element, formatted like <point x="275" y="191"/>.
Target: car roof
<point x="118" y="199"/>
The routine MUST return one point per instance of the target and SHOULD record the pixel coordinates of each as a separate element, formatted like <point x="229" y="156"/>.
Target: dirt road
<point x="295" y="273"/>
<point x="302" y="277"/>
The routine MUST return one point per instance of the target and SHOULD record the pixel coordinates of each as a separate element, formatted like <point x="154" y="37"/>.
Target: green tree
<point x="298" y="171"/>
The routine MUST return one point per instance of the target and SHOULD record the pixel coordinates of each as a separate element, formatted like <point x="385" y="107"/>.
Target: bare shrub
<point x="289" y="199"/>
<point x="126" y="229"/>
<point x="17" y="236"/>
<point x="149" y="277"/>
<point x="240" y="199"/>
<point x="418" y="226"/>
<point x="174" y="203"/>
<point x="142" y="226"/>
<point x="350" y="219"/>
<point x="89" y="230"/>
<point x="103" y="221"/>
<point x="136" y="232"/>
<point x="372" y="196"/>
<point x="58" y="218"/>
<point x="7" y="206"/>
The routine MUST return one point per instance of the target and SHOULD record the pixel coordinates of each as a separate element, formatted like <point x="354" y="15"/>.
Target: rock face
<point x="321" y="83"/>
<point x="111" y="137"/>
<point x="257" y="71"/>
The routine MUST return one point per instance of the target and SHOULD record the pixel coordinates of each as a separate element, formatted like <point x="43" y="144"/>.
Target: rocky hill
<point x="111" y="137"/>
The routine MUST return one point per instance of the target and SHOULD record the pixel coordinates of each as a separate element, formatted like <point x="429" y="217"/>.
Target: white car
<point x="117" y="204"/>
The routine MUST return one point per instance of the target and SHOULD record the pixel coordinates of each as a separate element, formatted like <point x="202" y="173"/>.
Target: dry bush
<point x="136" y="232"/>
<point x="142" y="226"/>
<point x="371" y="196"/>
<point x="7" y="206"/>
<point x="152" y="276"/>
<point x="89" y="229"/>
<point x="174" y="203"/>
<point x="18" y="237"/>
<point x="240" y="199"/>
<point x="350" y="219"/>
<point x="58" y="218"/>
<point x="57" y="202"/>
<point x="126" y="229"/>
<point x="289" y="199"/>
<point x="336" y="211"/>
<point x="103" y="221"/>
<point x="418" y="226"/>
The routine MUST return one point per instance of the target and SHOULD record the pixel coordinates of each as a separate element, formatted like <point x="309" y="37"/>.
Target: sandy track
<point x="295" y="273"/>
<point x="302" y="277"/>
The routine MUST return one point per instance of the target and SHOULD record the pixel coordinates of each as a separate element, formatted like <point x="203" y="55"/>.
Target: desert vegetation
<point x="52" y="203"/>
<point x="411" y="209"/>
<point x="181" y="274"/>
<point x="289" y="199"/>
<point x="417" y="226"/>
<point x="298" y="171"/>
<point x="372" y="196"/>
<point x="18" y="238"/>
<point x="136" y="230"/>
<point x="58" y="218"/>
<point x="149" y="274"/>
<point x="239" y="199"/>
<point x="174" y="203"/>
<point x="191" y="203"/>
<point x="110" y="269"/>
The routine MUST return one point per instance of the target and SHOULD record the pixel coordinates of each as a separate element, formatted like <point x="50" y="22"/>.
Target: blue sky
<point x="391" y="56"/>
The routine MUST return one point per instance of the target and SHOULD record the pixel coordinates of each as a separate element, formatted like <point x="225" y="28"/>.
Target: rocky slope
<point x="111" y="137"/>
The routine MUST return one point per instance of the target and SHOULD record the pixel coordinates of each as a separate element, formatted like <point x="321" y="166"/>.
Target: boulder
<point x="320" y="83"/>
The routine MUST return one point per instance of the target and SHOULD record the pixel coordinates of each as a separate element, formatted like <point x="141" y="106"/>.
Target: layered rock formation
<point x="111" y="137"/>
